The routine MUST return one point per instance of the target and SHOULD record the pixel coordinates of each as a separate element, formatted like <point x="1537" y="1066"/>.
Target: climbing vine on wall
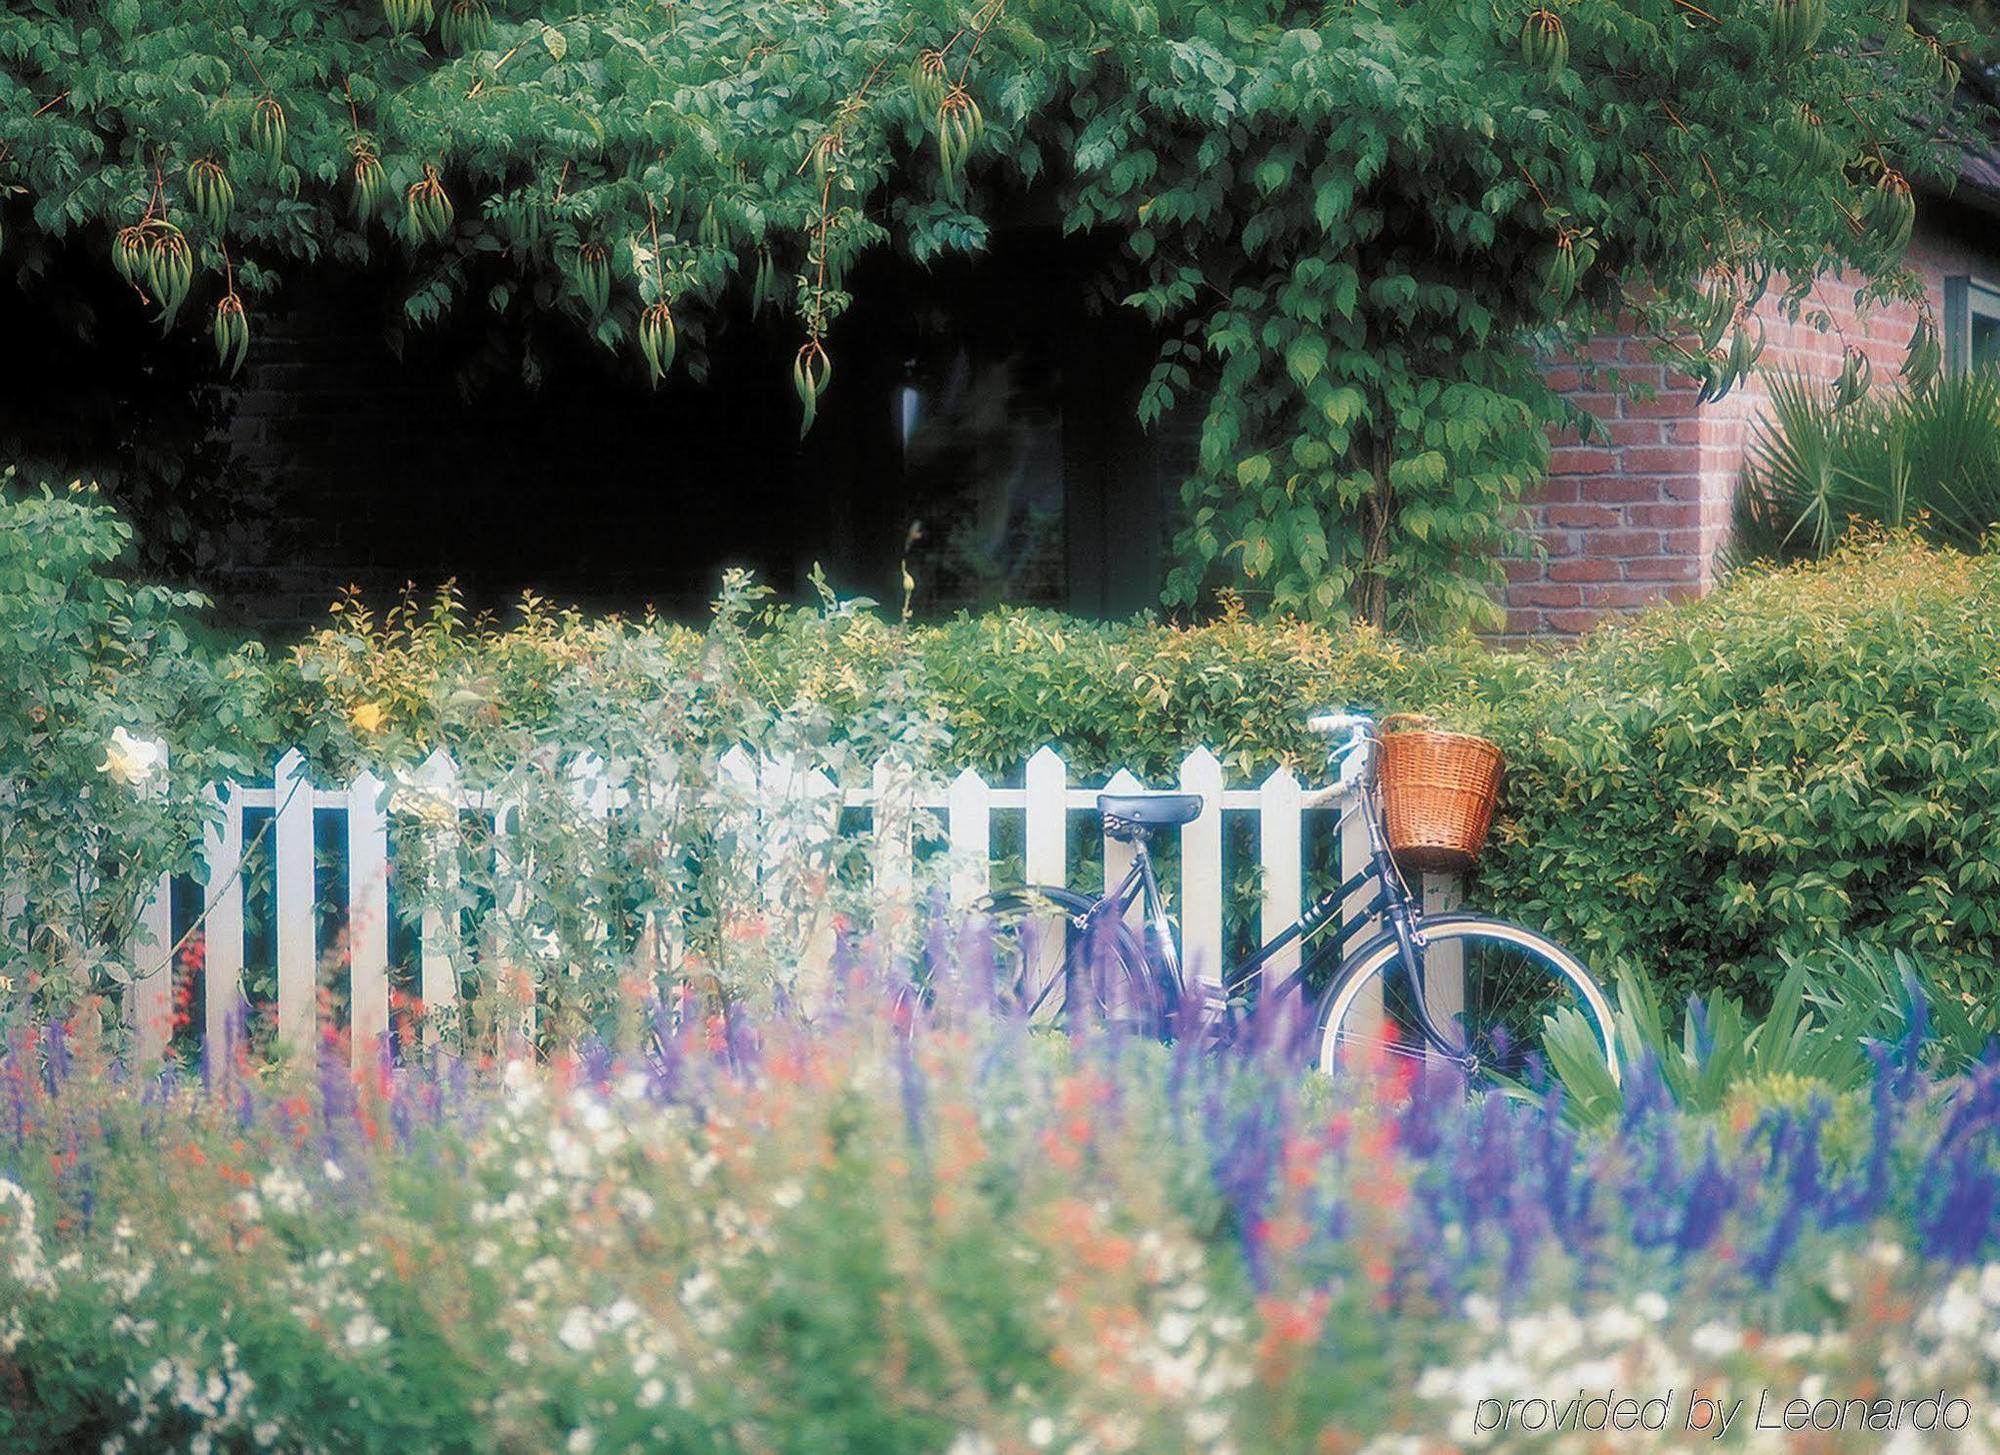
<point x="1352" y="223"/>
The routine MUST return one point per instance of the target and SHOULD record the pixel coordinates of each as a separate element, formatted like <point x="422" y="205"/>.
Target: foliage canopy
<point x="1347" y="221"/>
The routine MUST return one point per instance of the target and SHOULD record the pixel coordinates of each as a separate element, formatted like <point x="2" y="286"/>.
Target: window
<point x="1971" y="324"/>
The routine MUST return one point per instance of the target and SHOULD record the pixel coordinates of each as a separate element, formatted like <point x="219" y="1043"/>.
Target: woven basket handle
<point x="1397" y="720"/>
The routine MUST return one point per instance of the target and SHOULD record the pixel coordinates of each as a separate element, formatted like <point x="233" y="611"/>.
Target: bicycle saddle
<point x="1136" y="811"/>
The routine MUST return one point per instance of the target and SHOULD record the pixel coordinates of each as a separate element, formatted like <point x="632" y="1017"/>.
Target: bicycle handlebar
<point x="1331" y="723"/>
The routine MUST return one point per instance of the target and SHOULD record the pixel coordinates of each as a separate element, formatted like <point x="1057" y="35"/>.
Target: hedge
<point x="1808" y="754"/>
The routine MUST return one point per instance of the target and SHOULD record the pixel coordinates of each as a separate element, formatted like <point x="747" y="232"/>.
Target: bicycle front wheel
<point x="1492" y="991"/>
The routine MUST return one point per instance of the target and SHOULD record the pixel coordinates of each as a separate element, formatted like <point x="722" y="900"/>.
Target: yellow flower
<point x="366" y="716"/>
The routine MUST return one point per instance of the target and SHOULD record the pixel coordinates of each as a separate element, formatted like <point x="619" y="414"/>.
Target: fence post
<point x="298" y="951"/>
<point x="222" y="919"/>
<point x="1201" y="873"/>
<point x="1444" y="961"/>
<point x="150" y="996"/>
<point x="1047" y="831"/>
<point x="367" y="919"/>
<point x="1355" y="855"/>
<point x="1280" y="829"/>
<point x="969" y="808"/>
<point x="440" y="947"/>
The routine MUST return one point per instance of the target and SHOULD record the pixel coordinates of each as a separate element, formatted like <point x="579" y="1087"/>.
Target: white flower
<point x="362" y="1332"/>
<point x="576" y="1331"/>
<point x="129" y="760"/>
<point x="582" y="1441"/>
<point x="1716" y="1340"/>
<point x="1041" y="1431"/>
<point x="1650" y="1306"/>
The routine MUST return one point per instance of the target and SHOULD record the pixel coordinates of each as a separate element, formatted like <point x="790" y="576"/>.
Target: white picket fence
<point x="967" y="804"/>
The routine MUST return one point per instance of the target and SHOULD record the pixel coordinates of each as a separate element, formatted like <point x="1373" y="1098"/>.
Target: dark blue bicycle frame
<point x="1390" y="902"/>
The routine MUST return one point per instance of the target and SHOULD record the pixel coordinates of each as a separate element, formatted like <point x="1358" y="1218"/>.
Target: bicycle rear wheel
<point x="1492" y="990"/>
<point x="1058" y="959"/>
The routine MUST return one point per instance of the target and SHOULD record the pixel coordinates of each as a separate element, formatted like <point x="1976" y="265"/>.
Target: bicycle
<point x="1473" y="992"/>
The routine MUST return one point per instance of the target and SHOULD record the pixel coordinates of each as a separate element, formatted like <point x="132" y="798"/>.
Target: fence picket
<point x="1280" y="854"/>
<point x="222" y="918"/>
<point x="367" y="918"/>
<point x="439" y="947"/>
<point x="824" y="794"/>
<point x="971" y="823"/>
<point x="150" y="997"/>
<point x="435" y="796"/>
<point x="1201" y="871"/>
<point x="1047" y="836"/>
<point x="1119" y="854"/>
<point x="513" y="870"/>
<point x="297" y="927"/>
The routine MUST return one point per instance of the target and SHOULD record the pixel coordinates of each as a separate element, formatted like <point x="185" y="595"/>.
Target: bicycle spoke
<point x="1488" y="990"/>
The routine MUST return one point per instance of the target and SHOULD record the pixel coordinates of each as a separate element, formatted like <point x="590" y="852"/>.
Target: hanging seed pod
<point x="525" y="220"/>
<point x="466" y="25"/>
<point x="130" y="250"/>
<point x="763" y="283"/>
<point x="211" y="192"/>
<point x="1575" y="250"/>
<point x="1544" y="40"/>
<point x="959" y="127"/>
<point x="1938" y="64"/>
<point x="231" y="332"/>
<point x="1715" y="309"/>
<point x="1744" y="352"/>
<point x="592" y="275"/>
<point x="1815" y="148"/>
<point x="927" y="81"/>
<point x="658" y="340"/>
<point x="1796" y="26"/>
<point x="710" y="232"/>
<point x="1925" y="355"/>
<point x="169" y="270"/>
<point x="1890" y="212"/>
<point x="824" y="154"/>
<point x="267" y="129"/>
<point x="427" y="211"/>
<point x="1856" y="371"/>
<point x="1559" y="274"/>
<point x="371" y="183"/>
<point x="405" y="16"/>
<point x="812" y="371"/>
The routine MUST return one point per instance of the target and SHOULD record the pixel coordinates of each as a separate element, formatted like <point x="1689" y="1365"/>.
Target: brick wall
<point x="1638" y="514"/>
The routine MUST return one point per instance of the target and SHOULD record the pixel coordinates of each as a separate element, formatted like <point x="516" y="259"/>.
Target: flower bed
<point x="965" y="1237"/>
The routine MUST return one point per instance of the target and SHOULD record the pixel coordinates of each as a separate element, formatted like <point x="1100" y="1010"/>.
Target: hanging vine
<point x="1351" y="225"/>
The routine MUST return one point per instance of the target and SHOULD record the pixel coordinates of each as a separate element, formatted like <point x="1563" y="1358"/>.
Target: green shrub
<point x="1809" y="755"/>
<point x="95" y="670"/>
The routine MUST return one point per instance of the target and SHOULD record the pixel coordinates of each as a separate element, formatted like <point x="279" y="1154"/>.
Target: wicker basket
<point x="1438" y="791"/>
